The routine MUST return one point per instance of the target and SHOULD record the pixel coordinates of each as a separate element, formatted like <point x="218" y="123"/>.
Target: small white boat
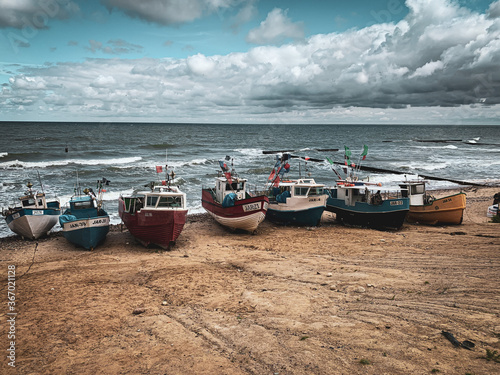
<point x="35" y="216"/>
<point x="297" y="202"/>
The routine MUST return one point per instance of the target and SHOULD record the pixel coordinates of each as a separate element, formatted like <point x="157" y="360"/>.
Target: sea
<point x="55" y="157"/>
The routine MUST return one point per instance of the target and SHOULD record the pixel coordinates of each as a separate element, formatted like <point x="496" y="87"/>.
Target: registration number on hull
<point x="396" y="203"/>
<point x="251" y="207"/>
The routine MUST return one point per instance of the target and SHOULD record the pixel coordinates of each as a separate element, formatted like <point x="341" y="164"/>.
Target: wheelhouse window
<point x="151" y="201"/>
<point x="302" y="191"/>
<point x="316" y="191"/>
<point x="418" y="189"/>
<point x="83" y="205"/>
<point x="235" y="186"/>
<point x="28" y="202"/>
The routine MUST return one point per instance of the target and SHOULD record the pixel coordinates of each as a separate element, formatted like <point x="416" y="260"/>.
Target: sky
<point x="246" y="62"/>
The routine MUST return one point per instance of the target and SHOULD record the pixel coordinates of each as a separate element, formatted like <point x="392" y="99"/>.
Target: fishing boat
<point x="157" y="216"/>
<point x="296" y="202"/>
<point x="35" y="216"/>
<point x="231" y="204"/>
<point x="85" y="223"/>
<point x="426" y="209"/>
<point x="362" y="203"/>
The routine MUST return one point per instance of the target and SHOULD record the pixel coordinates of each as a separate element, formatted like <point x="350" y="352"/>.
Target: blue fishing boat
<point x="362" y="202"/>
<point x="85" y="223"/>
<point x="34" y="217"/>
<point x="295" y="202"/>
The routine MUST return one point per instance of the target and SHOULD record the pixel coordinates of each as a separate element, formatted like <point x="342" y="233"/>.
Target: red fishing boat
<point x="231" y="205"/>
<point x="156" y="216"/>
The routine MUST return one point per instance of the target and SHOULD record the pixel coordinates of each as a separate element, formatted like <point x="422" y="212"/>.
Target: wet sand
<point x="326" y="300"/>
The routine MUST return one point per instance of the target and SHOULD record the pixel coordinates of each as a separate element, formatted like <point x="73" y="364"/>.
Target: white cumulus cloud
<point x="276" y="28"/>
<point x="448" y="60"/>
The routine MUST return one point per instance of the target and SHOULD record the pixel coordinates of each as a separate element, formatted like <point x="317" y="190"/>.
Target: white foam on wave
<point x="423" y="166"/>
<point x="450" y="147"/>
<point x="2" y="154"/>
<point x="254" y="152"/>
<point x="56" y="163"/>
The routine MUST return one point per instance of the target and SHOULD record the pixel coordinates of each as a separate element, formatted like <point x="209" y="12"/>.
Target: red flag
<point x="159" y="169"/>
<point x="271" y="176"/>
<point x="228" y="177"/>
<point x="164" y="183"/>
<point x="277" y="181"/>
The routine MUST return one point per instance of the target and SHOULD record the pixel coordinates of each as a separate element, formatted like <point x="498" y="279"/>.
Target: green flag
<point x="365" y="152"/>
<point x="347" y="155"/>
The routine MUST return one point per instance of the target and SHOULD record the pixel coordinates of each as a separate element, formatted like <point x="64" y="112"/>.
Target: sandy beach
<point x="326" y="300"/>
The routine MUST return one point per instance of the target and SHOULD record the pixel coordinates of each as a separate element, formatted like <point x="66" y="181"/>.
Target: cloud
<point x="494" y="9"/>
<point x="169" y="12"/>
<point x="384" y="72"/>
<point x="244" y="15"/>
<point x="34" y="14"/>
<point x="114" y="47"/>
<point x="276" y="28"/>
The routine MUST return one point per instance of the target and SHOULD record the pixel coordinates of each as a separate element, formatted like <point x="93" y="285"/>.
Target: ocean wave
<point x="422" y="166"/>
<point x="2" y="154"/>
<point x="57" y="163"/>
<point x="451" y="147"/>
<point x="254" y="152"/>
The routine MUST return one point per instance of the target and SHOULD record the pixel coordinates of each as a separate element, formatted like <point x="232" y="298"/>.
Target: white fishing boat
<point x="296" y="202"/>
<point x="35" y="216"/>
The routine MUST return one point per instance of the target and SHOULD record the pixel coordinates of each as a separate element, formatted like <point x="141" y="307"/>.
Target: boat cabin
<point x="415" y="191"/>
<point x="302" y="188"/>
<point x="82" y="206"/>
<point x="33" y="201"/>
<point x="238" y="186"/>
<point x="354" y="192"/>
<point x="160" y="198"/>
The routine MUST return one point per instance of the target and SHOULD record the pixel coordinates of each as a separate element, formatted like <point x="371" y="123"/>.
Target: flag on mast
<point x="159" y="169"/>
<point x="365" y="152"/>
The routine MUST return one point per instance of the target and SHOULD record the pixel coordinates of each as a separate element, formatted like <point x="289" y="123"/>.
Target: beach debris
<point x="465" y="344"/>
<point x="468" y="344"/>
<point x="360" y="289"/>
<point x="492" y="355"/>
<point x="138" y="310"/>
<point x="329" y="274"/>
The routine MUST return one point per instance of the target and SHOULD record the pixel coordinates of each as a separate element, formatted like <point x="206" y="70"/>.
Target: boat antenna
<point x="40" y="180"/>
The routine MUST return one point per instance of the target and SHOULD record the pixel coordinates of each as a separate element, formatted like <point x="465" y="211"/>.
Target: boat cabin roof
<point x="234" y="179"/>
<point x="157" y="191"/>
<point x="305" y="182"/>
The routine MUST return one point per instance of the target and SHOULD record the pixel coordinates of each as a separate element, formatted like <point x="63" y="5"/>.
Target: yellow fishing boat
<point x="426" y="209"/>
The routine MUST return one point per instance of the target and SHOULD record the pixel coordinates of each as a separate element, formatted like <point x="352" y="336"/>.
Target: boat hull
<point x="87" y="233"/>
<point x="154" y="227"/>
<point x="32" y="223"/>
<point x="304" y="217"/>
<point x="246" y="214"/>
<point x="446" y="210"/>
<point x="390" y="214"/>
